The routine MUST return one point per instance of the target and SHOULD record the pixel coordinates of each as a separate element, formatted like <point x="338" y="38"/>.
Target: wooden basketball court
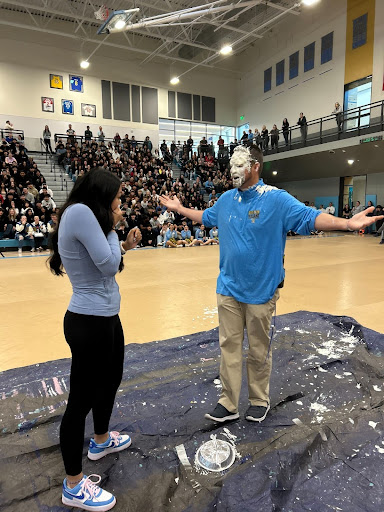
<point x="171" y="292"/>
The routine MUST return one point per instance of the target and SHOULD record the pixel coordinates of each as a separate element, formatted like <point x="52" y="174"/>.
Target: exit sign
<point x="371" y="139"/>
<point x="241" y="118"/>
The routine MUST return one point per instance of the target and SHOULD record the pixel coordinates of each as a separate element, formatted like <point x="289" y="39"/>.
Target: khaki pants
<point x="234" y="316"/>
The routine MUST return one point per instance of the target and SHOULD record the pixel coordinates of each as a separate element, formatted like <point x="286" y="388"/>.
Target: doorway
<point x="357" y="94"/>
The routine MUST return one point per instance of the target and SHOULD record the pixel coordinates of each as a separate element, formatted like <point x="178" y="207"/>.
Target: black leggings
<point x="48" y="145"/>
<point x="97" y="346"/>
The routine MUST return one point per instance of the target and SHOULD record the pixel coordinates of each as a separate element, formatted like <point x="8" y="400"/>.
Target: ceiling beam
<point x="93" y="21"/>
<point x="97" y="42"/>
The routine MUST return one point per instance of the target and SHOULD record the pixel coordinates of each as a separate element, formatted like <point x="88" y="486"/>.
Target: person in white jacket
<point x="24" y="231"/>
<point x="45" y="190"/>
<point x="48" y="202"/>
<point x="38" y="231"/>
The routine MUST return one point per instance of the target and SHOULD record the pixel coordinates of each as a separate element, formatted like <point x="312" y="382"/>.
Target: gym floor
<point x="171" y="292"/>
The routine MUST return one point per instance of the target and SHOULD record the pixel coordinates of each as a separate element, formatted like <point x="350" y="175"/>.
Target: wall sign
<point x="67" y="107"/>
<point x="56" y="81"/>
<point x="47" y="104"/>
<point x="76" y="83"/>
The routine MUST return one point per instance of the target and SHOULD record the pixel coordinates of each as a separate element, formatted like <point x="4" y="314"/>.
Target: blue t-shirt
<point x="253" y="225"/>
<point x="185" y="234"/>
<point x="170" y="234"/>
<point x="200" y="234"/>
<point x="91" y="261"/>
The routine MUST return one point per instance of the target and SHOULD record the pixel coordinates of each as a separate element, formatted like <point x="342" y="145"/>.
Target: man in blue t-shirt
<point x="253" y="219"/>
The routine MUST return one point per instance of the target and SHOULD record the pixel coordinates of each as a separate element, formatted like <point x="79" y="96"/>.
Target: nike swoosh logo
<point x="81" y="497"/>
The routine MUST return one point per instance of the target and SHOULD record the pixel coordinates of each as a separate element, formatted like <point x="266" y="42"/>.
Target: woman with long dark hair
<point x="86" y="246"/>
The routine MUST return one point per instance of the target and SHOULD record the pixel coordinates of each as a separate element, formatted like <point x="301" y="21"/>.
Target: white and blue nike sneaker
<point x="88" y="495"/>
<point x="116" y="442"/>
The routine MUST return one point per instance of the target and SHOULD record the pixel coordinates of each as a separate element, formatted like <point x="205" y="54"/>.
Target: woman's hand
<point x="133" y="239"/>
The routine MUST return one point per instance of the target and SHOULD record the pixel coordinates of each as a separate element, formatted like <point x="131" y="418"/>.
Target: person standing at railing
<point x="257" y="139"/>
<point x="88" y="134"/>
<point x="302" y="122"/>
<point x="100" y="134"/>
<point x="339" y="115"/>
<point x="71" y="134"/>
<point x="275" y="137"/>
<point x="265" y="137"/>
<point x="285" y="128"/>
<point x="220" y="144"/>
<point x="190" y="146"/>
<point x="8" y="129"/>
<point x="47" y="139"/>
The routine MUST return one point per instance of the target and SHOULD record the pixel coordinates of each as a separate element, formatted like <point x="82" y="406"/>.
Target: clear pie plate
<point x="215" y="455"/>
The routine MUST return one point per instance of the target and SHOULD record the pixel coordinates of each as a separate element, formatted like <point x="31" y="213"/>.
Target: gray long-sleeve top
<point x="91" y="261"/>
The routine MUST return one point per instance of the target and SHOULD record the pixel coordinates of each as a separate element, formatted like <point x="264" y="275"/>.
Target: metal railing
<point x="43" y="149"/>
<point x="81" y="138"/>
<point x="11" y="133"/>
<point x="349" y="123"/>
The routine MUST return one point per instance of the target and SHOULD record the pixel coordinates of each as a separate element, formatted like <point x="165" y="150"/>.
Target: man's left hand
<point x="360" y="220"/>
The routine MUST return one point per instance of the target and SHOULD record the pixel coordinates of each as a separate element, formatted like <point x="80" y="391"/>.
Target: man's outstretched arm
<point x="173" y="203"/>
<point x="327" y="222"/>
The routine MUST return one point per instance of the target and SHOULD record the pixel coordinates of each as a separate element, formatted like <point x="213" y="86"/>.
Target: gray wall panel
<point x="196" y="108"/>
<point x="121" y="102"/>
<point x="106" y="99"/>
<point x="136" y="110"/>
<point x="208" y="109"/>
<point x="308" y="190"/>
<point x="150" y="113"/>
<point x="171" y="104"/>
<point x="184" y="105"/>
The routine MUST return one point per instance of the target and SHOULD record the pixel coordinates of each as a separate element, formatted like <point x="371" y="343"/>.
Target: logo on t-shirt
<point x="253" y="215"/>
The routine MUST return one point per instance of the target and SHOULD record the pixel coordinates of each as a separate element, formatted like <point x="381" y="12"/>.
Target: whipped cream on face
<point x="241" y="162"/>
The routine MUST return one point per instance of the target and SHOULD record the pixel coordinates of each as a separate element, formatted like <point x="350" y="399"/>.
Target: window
<point x="267" y="79"/>
<point x="360" y="31"/>
<point x="170" y="130"/>
<point x="327" y="48"/>
<point x="294" y="65"/>
<point x="280" y="67"/>
<point x="309" y="57"/>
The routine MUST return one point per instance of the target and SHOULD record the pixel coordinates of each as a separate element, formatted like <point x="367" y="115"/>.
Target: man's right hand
<point x="172" y="203"/>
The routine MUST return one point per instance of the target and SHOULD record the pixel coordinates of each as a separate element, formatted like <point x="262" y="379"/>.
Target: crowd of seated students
<point x="145" y="175"/>
<point x="27" y="209"/>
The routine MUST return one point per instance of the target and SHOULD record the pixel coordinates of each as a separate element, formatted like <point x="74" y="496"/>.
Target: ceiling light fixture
<point x="274" y="173"/>
<point x="351" y="162"/>
<point x="118" y="20"/>
<point x="120" y="24"/>
<point x="309" y="2"/>
<point x="226" y="50"/>
<point x="84" y="64"/>
<point x="175" y="80"/>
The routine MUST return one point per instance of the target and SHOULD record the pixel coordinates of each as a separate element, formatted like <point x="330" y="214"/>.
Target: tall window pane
<point x="327" y="48"/>
<point x="294" y="65"/>
<point x="360" y="31"/>
<point x="280" y="68"/>
<point x="267" y="79"/>
<point x="309" y="57"/>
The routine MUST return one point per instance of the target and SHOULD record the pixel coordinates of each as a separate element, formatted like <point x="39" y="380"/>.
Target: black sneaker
<point x="256" y="413"/>
<point x="381" y="242"/>
<point x="221" y="414"/>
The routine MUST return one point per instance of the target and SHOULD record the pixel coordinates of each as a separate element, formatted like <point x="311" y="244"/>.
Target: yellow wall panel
<point x="359" y="61"/>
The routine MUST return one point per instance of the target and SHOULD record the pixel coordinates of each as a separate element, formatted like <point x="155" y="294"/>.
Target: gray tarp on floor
<point x="321" y="447"/>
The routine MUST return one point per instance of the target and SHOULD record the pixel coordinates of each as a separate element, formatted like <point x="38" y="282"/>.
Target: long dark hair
<point x="97" y="189"/>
